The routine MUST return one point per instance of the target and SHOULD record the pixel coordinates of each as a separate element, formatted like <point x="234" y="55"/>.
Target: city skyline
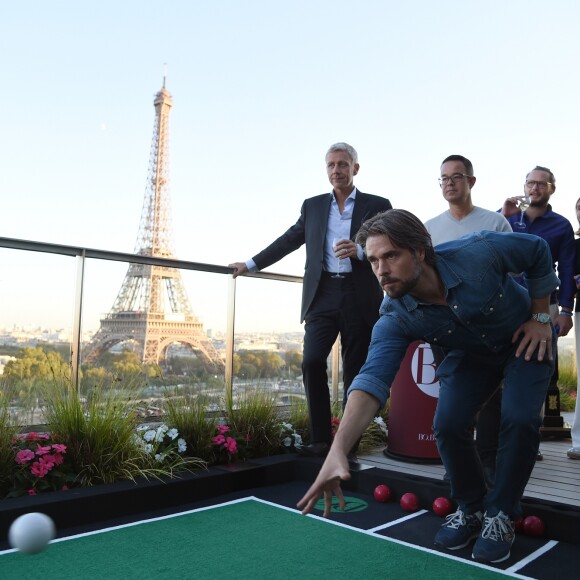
<point x="253" y="118"/>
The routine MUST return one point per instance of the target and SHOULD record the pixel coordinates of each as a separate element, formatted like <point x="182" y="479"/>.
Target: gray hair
<point x="404" y="230"/>
<point x="348" y="149"/>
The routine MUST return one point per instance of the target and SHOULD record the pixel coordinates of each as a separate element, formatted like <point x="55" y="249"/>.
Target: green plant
<point x="100" y="434"/>
<point x="224" y="444"/>
<point x="160" y="443"/>
<point x="7" y="433"/>
<point x="189" y="415"/>
<point x="289" y="437"/>
<point x="253" y="421"/>
<point x="40" y="464"/>
<point x="375" y="435"/>
<point x="567" y="377"/>
<point x="299" y="419"/>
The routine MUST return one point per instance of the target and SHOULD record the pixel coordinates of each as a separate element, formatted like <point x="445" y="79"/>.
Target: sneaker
<point x="458" y="530"/>
<point x="573" y="453"/>
<point x="539" y="456"/>
<point x="496" y="539"/>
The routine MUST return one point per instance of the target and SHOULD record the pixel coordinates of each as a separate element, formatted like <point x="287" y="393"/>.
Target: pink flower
<point x="222" y="429"/>
<point x="57" y="458"/>
<point x="231" y="445"/>
<point x="24" y="456"/>
<point x="218" y="439"/>
<point x="248" y="437"/>
<point x="64" y="488"/>
<point x="31" y="491"/>
<point x="39" y="469"/>
<point x="42" y="450"/>
<point x="48" y="460"/>
<point x="59" y="447"/>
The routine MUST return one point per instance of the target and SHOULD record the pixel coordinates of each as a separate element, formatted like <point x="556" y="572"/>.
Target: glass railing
<point x="79" y="314"/>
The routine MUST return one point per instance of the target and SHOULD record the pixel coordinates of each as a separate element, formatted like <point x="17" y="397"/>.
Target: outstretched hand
<point x="333" y="471"/>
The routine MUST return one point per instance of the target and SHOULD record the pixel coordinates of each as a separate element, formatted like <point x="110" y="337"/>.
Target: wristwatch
<point x="542" y="317"/>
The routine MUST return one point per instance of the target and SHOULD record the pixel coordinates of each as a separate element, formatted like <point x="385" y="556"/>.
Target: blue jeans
<point x="466" y="382"/>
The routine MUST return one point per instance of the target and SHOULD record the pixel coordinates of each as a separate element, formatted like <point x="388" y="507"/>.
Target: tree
<point x="36" y="363"/>
<point x="271" y="365"/>
<point x="293" y="360"/>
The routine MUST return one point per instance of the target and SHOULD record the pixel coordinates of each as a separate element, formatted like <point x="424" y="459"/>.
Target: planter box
<point x="90" y="506"/>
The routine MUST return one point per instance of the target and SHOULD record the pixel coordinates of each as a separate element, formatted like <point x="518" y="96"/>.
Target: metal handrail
<point x="82" y="254"/>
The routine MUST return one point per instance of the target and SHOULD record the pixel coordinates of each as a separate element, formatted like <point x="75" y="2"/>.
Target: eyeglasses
<point x="453" y="178"/>
<point x="540" y="184"/>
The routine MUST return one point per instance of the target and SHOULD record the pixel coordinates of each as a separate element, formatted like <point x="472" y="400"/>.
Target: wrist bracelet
<point x="566" y="313"/>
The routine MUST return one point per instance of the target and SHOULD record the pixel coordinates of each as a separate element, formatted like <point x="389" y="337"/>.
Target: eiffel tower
<point x="152" y="309"/>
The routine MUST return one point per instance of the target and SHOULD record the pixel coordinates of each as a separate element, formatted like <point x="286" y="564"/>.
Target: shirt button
<point x="449" y="331"/>
<point x="491" y="309"/>
<point x="455" y="306"/>
<point x="434" y="340"/>
<point x="483" y="336"/>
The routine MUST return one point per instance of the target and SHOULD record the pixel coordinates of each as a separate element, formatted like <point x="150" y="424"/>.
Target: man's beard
<point x="403" y="286"/>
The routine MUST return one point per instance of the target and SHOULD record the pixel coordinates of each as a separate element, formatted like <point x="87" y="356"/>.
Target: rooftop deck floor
<point x="556" y="478"/>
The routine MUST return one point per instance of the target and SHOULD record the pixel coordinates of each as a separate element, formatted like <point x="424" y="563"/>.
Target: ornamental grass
<point x="253" y="420"/>
<point x="188" y="413"/>
<point x="99" y="432"/>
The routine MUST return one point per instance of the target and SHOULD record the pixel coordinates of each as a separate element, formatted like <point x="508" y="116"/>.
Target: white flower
<point x="381" y="423"/>
<point x="160" y="457"/>
<point x="181" y="445"/>
<point x="287" y="441"/>
<point x="160" y="433"/>
<point x="173" y="433"/>
<point x="297" y="439"/>
<point x="142" y="427"/>
<point x="148" y="448"/>
<point x="149" y="435"/>
<point x="287" y="426"/>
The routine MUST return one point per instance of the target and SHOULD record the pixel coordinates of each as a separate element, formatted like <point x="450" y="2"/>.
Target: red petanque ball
<point x="409" y="502"/>
<point x="382" y="493"/>
<point x="534" y="526"/>
<point x="442" y="506"/>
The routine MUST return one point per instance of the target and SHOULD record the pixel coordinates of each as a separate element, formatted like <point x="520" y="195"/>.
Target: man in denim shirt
<point x="462" y="297"/>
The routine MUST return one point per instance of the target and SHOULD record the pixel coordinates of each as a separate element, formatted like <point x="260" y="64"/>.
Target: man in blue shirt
<point x="462" y="297"/>
<point x="539" y="219"/>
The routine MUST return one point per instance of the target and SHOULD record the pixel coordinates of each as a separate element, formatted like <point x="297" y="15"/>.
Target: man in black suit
<point x="349" y="304"/>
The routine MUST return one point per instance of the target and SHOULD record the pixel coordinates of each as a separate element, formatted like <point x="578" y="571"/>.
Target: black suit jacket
<point x="310" y="229"/>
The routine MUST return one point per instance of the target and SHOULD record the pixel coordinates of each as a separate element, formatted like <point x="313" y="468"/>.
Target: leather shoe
<point x="313" y="450"/>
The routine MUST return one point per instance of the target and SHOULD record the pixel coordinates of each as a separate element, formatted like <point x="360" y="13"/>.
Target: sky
<point x="260" y="90"/>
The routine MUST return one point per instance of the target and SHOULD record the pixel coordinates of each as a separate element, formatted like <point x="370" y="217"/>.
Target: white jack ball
<point x="31" y="533"/>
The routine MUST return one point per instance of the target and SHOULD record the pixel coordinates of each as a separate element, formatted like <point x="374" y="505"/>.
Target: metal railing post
<point x="77" y="322"/>
<point x="335" y="370"/>
<point x="230" y="333"/>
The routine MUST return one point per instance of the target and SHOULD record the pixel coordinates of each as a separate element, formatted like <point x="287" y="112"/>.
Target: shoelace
<point x="455" y="520"/>
<point x="495" y="529"/>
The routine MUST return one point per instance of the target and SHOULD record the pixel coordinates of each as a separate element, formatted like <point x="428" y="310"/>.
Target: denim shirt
<point x="485" y="306"/>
